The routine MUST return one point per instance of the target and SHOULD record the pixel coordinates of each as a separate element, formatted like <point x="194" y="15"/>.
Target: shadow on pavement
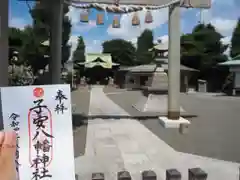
<point x="80" y="125"/>
<point x="81" y="119"/>
<point x="79" y="134"/>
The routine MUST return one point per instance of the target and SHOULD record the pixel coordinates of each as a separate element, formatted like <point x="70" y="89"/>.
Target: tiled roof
<point x="151" y="67"/>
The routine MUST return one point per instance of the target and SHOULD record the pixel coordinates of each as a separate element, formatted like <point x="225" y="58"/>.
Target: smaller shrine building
<point x="136" y="77"/>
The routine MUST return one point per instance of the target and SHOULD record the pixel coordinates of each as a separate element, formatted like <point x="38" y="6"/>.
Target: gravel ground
<point x="80" y="101"/>
<point x="214" y="133"/>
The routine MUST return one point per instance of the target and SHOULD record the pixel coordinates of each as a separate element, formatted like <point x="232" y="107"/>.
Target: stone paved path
<point x="114" y="145"/>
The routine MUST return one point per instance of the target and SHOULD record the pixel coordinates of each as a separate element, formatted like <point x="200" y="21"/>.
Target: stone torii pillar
<point x="3" y="48"/>
<point x="55" y="65"/>
<point x="4" y="43"/>
<point x="174" y="62"/>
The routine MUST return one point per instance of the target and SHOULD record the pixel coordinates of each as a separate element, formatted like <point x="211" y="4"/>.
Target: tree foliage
<point x="41" y="32"/>
<point x="15" y="37"/>
<point x="144" y="43"/>
<point x="15" y="42"/>
<point x="122" y="51"/>
<point x="79" y="53"/>
<point x="203" y="50"/>
<point x="235" y="41"/>
<point x="27" y="42"/>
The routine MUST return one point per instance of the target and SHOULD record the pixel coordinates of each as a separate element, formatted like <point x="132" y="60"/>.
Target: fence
<point x="171" y="174"/>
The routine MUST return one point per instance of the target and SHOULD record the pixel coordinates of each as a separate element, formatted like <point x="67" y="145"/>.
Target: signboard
<point x="42" y="118"/>
<point x="184" y="3"/>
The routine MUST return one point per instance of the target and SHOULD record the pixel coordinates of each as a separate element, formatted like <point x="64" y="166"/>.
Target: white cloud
<point x="83" y="27"/>
<point x="127" y="31"/>
<point x="74" y="15"/>
<point x="18" y="22"/>
<point x="134" y="40"/>
<point x="93" y="46"/>
<point x="227" y="41"/>
<point x="78" y="27"/>
<point x="73" y="42"/>
<point x="207" y="14"/>
<point x="163" y="39"/>
<point x="224" y="26"/>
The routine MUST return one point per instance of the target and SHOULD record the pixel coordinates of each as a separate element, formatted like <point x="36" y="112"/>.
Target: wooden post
<point x="149" y="175"/>
<point x="196" y="174"/>
<point x="173" y="174"/>
<point x="98" y="176"/>
<point x="124" y="175"/>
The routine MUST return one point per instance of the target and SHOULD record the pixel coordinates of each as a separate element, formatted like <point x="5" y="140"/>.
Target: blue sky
<point x="223" y="15"/>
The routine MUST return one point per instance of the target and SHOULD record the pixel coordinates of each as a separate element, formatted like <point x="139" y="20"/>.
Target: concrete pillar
<point x="174" y="62"/>
<point x="3" y="48"/>
<point x="56" y="42"/>
<point x="4" y="43"/>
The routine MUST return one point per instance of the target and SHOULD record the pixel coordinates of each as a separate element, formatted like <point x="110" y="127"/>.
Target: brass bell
<point x="148" y="17"/>
<point x="135" y="20"/>
<point x="84" y="17"/>
<point x="100" y="19"/>
<point x="116" y="22"/>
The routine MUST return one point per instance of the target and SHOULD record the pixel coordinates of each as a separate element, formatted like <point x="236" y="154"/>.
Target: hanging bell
<point x="148" y="17"/>
<point x="84" y="17"/>
<point x="116" y="22"/>
<point x="135" y="20"/>
<point x="100" y="19"/>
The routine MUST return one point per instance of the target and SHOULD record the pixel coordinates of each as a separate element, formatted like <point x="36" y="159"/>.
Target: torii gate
<point x="56" y="39"/>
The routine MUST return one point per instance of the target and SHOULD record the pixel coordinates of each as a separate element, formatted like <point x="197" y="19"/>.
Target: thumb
<point x="9" y="146"/>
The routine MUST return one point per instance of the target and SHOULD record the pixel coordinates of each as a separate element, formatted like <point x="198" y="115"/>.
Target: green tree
<point x="235" y="41"/>
<point x="203" y="50"/>
<point x="15" y="37"/>
<point x="15" y="42"/>
<point x="79" y="53"/>
<point x="122" y="51"/>
<point x="144" y="43"/>
<point x="32" y="52"/>
<point x="41" y="30"/>
<point x="67" y="26"/>
<point x="79" y="56"/>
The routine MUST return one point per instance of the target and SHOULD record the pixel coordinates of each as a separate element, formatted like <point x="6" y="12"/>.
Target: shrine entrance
<point x="98" y="68"/>
<point x="97" y="75"/>
<point x="117" y="7"/>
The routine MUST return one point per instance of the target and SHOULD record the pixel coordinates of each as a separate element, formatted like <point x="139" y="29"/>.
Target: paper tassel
<point x="148" y="17"/>
<point x="135" y="20"/>
<point x="116" y="22"/>
<point x="100" y="19"/>
<point x="84" y="17"/>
